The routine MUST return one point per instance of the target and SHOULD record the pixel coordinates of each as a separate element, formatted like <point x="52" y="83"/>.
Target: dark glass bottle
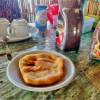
<point x="71" y="12"/>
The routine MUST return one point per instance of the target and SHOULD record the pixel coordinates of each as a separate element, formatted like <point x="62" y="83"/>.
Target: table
<point x="81" y="88"/>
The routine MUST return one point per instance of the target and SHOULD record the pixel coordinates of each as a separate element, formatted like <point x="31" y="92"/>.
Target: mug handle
<point x="10" y="30"/>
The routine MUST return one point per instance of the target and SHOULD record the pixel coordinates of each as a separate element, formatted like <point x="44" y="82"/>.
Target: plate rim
<point x="15" y="39"/>
<point x="41" y="89"/>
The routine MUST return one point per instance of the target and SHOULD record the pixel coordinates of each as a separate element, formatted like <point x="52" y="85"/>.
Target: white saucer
<point x="33" y="31"/>
<point x="14" y="77"/>
<point x="17" y="39"/>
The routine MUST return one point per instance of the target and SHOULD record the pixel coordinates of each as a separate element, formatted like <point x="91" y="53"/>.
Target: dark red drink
<point x="72" y="18"/>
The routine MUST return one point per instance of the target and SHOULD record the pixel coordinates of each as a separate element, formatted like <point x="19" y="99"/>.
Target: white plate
<point x="33" y="31"/>
<point x="14" y="77"/>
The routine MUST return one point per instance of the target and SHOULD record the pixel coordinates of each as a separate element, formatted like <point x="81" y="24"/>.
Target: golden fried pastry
<point x="41" y="68"/>
<point x="96" y="51"/>
<point x="97" y="47"/>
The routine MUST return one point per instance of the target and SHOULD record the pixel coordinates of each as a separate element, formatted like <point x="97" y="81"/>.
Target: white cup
<point x="4" y="24"/>
<point x="19" y="28"/>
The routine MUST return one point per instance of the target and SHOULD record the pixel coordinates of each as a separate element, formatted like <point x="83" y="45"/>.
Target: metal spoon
<point x="8" y="51"/>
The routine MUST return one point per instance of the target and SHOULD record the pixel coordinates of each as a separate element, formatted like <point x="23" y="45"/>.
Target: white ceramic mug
<point x="4" y="24"/>
<point x="19" y="28"/>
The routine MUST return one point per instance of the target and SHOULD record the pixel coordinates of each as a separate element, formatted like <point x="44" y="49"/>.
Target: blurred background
<point x="13" y="9"/>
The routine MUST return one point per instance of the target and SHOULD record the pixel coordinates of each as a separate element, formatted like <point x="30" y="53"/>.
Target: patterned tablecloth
<point x="85" y="85"/>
